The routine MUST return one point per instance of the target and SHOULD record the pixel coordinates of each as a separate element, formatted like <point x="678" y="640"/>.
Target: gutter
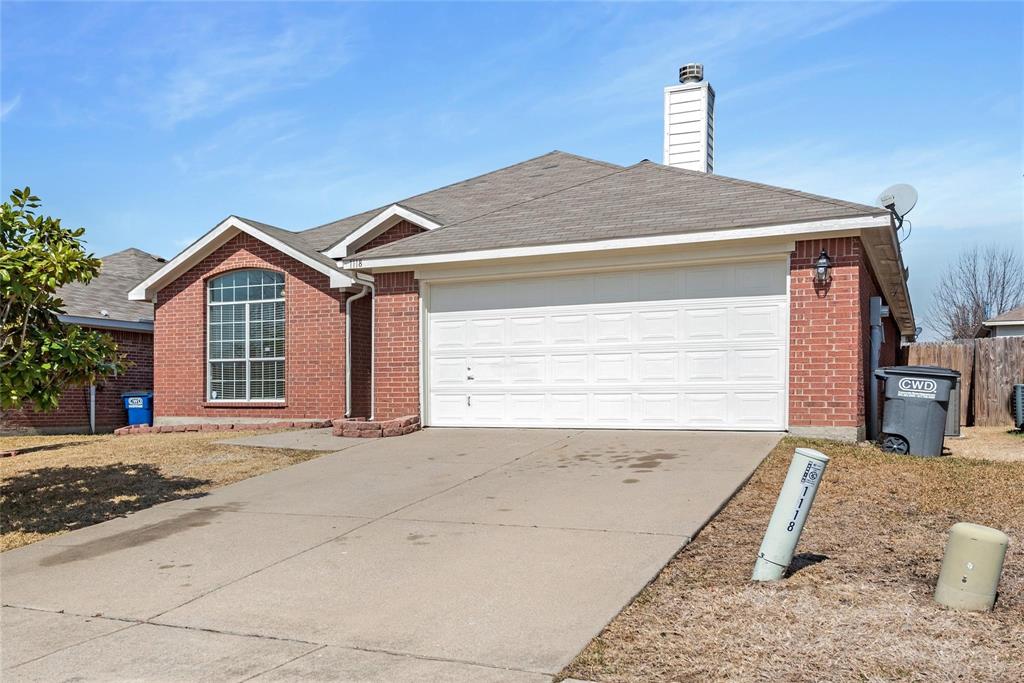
<point x="107" y="323"/>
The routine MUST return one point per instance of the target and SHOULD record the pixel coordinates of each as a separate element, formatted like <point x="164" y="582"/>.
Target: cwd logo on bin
<point x="134" y="401"/>
<point x="911" y="387"/>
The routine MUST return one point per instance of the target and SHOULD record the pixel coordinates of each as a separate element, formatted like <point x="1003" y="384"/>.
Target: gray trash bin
<point x="916" y="401"/>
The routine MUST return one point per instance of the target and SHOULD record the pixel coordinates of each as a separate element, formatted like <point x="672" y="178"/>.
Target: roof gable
<point x="1012" y="316"/>
<point x="286" y="242"/>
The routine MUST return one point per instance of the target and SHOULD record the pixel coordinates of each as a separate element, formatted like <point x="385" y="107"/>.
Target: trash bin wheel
<point x="893" y="443"/>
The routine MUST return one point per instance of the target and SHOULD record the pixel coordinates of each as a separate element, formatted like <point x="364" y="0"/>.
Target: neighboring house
<point x="557" y="292"/>
<point x="1009" y="324"/>
<point x="103" y="305"/>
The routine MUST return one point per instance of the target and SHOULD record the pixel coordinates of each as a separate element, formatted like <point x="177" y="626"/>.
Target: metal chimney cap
<point x="691" y="73"/>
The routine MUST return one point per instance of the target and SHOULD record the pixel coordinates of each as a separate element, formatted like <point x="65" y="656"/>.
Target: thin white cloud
<point x="6" y="108"/>
<point x="220" y="65"/>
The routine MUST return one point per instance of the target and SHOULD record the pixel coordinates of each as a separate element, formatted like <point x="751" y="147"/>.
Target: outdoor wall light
<point x="822" y="268"/>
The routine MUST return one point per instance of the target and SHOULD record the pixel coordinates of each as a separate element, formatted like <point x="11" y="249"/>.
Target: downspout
<point x="877" y="312"/>
<point x="348" y="349"/>
<point x="92" y="408"/>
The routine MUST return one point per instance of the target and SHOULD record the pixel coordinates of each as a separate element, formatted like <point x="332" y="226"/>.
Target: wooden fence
<point x="988" y="370"/>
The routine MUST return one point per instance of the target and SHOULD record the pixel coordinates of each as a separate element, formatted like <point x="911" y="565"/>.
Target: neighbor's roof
<point x="642" y="200"/>
<point x="108" y="291"/>
<point x="479" y="195"/>
<point x="1014" y="315"/>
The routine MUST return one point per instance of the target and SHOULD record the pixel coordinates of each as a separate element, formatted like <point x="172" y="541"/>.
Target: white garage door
<point x="696" y="347"/>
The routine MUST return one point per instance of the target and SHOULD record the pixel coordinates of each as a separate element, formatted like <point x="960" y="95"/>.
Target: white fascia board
<point x="997" y="323"/>
<point x="381" y="222"/>
<point x="785" y="230"/>
<point x="107" y="323"/>
<point x="224" y="231"/>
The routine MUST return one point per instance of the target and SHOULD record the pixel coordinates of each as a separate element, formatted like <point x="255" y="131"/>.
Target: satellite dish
<point x="899" y="198"/>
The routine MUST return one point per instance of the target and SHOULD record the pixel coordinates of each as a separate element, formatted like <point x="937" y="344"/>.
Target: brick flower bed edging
<point x="365" y="429"/>
<point x="221" y="427"/>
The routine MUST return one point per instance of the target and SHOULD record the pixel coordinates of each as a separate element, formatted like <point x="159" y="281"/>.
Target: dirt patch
<point x="858" y="604"/>
<point x="989" y="443"/>
<point x="59" y="483"/>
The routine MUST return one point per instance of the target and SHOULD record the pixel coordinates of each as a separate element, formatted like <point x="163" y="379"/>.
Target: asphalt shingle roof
<point x="108" y="291"/>
<point x="479" y="195"/>
<point x="645" y="199"/>
<point x="1012" y="315"/>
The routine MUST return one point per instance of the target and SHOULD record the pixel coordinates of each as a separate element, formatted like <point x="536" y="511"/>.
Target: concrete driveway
<point x="483" y="555"/>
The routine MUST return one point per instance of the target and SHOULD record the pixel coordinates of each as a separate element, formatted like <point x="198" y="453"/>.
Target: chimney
<point x="690" y="121"/>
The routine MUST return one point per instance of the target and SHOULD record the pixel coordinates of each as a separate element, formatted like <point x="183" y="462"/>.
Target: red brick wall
<point x="73" y="413"/>
<point x="829" y="349"/>
<point x="397" y="352"/>
<point x="314" y="339"/>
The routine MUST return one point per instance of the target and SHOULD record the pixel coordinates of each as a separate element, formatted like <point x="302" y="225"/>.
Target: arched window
<point x="246" y="336"/>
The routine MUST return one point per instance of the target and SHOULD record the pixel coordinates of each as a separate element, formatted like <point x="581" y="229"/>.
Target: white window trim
<point x="247" y="360"/>
<point x="388" y="218"/>
<point x="224" y="231"/>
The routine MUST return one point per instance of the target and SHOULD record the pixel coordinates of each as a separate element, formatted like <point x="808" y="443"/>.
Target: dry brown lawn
<point x="859" y="605"/>
<point x="989" y="443"/>
<point x="69" y="482"/>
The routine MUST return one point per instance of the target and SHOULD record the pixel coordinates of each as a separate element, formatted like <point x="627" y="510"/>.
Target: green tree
<point x="39" y="355"/>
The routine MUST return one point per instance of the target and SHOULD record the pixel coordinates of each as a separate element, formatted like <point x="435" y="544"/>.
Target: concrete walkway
<point x="483" y="555"/>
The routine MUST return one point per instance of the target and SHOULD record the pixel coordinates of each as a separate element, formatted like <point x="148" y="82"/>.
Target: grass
<point x="858" y="605"/>
<point x="67" y="482"/>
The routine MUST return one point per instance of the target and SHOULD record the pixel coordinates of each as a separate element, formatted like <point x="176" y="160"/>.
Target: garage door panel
<point x="706" y="324"/>
<point x="612" y="328"/>
<point x="706" y="366"/>
<point x="690" y="354"/>
<point x="568" y="408"/>
<point x="448" y="408"/>
<point x="658" y="326"/>
<point x="756" y="322"/>
<point x="658" y="367"/>
<point x="758" y="365"/>
<point x="754" y="410"/>
<point x="487" y="369"/>
<point x="448" y="371"/>
<point x="448" y="334"/>
<point x="658" y="409"/>
<point x="612" y="409"/>
<point x="486" y="333"/>
<point x="705" y="409"/>
<point x="526" y="330"/>
<point x="568" y="329"/>
<point x="611" y="368"/>
<point x="527" y="369"/>
<point x="568" y="369"/>
<point x="527" y="409"/>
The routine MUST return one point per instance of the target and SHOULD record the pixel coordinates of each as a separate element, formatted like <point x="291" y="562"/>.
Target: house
<point x="102" y="304"/>
<point x="560" y="291"/>
<point x="1009" y="324"/>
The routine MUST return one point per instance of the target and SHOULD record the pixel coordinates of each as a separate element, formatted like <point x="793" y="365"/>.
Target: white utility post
<point x="787" y="522"/>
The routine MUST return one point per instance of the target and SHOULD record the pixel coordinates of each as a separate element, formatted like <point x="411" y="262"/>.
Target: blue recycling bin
<point x="139" y="405"/>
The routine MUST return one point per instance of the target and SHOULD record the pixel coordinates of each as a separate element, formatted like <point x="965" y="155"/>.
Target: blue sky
<point x="149" y="123"/>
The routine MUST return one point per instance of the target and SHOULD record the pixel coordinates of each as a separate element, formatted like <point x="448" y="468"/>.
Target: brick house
<point x="559" y="291"/>
<point x="102" y="305"/>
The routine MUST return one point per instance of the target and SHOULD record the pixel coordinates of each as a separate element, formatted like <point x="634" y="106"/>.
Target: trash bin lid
<point x="136" y="393"/>
<point x="922" y="370"/>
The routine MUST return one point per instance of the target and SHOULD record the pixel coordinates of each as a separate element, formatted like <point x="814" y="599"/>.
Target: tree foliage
<point x="39" y="355"/>
<point x="979" y="284"/>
